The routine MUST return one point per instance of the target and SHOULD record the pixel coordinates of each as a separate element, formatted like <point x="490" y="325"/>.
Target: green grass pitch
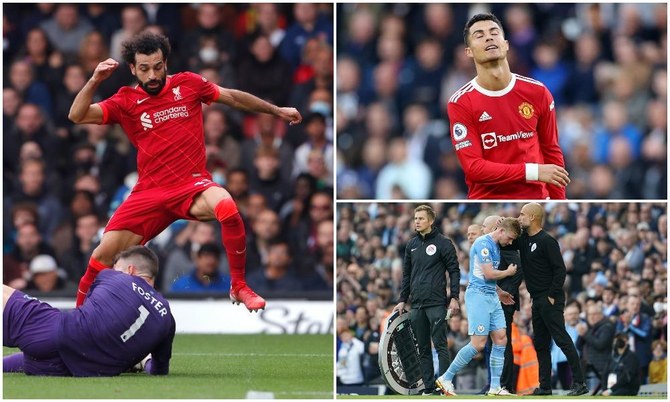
<point x="205" y="366"/>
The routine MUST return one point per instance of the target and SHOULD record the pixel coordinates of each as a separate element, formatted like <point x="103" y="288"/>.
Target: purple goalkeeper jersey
<point x="123" y="319"/>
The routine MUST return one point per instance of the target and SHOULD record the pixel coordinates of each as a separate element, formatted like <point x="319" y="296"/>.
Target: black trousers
<point x="428" y="323"/>
<point x="508" y="377"/>
<point x="548" y="323"/>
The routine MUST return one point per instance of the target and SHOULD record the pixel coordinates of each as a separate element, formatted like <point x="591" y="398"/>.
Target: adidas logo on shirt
<point x="485" y="116"/>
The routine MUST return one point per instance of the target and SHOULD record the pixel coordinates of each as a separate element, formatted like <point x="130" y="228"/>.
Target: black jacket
<point x="626" y="368"/>
<point x="510" y="284"/>
<point x="596" y="345"/>
<point x="427" y="259"/>
<point x="543" y="266"/>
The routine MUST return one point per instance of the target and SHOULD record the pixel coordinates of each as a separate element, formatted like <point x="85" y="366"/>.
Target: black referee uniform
<point x="424" y="285"/>
<point x="544" y="272"/>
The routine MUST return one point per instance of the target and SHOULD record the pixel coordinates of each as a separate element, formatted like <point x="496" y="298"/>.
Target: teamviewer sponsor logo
<point x="146" y="121"/>
<point x="489" y="140"/>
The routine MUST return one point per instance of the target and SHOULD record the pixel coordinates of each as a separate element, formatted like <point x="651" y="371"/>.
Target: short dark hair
<point x="476" y="18"/>
<point x="209" y="249"/>
<point x="144" y="43"/>
<point x="144" y="259"/>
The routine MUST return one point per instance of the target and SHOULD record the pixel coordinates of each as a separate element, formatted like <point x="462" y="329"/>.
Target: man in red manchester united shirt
<point x="162" y="116"/>
<point x="503" y="125"/>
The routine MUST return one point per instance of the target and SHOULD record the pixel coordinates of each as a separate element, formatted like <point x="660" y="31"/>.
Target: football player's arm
<point x="470" y="151"/>
<point x="494" y="274"/>
<point x="547" y="131"/>
<point x="249" y="103"/>
<point x="82" y="111"/>
<point x="160" y="357"/>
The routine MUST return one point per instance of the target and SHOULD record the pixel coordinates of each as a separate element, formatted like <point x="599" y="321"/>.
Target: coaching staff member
<point x="544" y="271"/>
<point x="428" y="257"/>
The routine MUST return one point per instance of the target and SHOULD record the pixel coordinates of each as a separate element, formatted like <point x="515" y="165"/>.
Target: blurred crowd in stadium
<point x="62" y="182"/>
<point x="398" y="64"/>
<point x="615" y="254"/>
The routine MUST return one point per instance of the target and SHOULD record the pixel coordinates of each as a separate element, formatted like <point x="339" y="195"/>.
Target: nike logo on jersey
<point x="412" y="250"/>
<point x="241" y="252"/>
<point x="139" y="101"/>
<point x="485" y="116"/>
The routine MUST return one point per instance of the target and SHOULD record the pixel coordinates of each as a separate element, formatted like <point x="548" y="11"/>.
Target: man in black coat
<point x="428" y="256"/>
<point x="595" y="343"/>
<point x="621" y="376"/>
<point x="544" y="271"/>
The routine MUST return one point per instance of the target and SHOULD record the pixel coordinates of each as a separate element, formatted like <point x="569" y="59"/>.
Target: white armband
<point x="532" y="171"/>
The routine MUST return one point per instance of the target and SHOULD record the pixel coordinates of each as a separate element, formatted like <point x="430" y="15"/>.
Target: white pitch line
<point x="304" y="393"/>
<point x="255" y="354"/>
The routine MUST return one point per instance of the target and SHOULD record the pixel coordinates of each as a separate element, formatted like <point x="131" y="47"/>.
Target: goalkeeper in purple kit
<point x="122" y="321"/>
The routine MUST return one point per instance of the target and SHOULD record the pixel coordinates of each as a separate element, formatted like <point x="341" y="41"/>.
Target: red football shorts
<point x="149" y="212"/>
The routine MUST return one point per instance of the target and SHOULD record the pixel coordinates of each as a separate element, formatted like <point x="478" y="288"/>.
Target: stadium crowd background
<point x="610" y="251"/>
<point x="398" y="64"/>
<point x="62" y="182"/>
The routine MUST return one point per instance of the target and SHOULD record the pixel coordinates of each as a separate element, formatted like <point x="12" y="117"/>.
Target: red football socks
<point x="233" y="237"/>
<point x="94" y="266"/>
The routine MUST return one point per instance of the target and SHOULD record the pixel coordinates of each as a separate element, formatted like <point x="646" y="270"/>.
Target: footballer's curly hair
<point x="144" y="43"/>
<point x="476" y="18"/>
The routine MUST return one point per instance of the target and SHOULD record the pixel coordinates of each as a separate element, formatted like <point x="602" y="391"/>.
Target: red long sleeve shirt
<point x="496" y="133"/>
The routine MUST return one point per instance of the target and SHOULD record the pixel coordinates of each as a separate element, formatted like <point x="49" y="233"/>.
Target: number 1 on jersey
<point x="144" y="313"/>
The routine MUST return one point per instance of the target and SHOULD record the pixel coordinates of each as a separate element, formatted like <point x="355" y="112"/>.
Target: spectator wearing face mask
<point x="621" y="377"/>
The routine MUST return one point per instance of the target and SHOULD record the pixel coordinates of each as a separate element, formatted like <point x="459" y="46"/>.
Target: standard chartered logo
<point x="146" y="121"/>
<point x="174" y="112"/>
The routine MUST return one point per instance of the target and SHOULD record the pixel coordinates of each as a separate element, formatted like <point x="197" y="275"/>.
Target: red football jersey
<point x="166" y="128"/>
<point x="496" y="133"/>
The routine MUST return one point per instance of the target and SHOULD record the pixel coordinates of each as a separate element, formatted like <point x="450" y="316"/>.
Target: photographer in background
<point x="621" y="377"/>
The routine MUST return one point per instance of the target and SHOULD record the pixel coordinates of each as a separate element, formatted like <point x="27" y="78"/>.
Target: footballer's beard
<point x="153" y="90"/>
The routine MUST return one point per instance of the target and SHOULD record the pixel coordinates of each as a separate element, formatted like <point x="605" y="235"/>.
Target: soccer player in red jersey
<point x="162" y="116"/>
<point x="503" y="125"/>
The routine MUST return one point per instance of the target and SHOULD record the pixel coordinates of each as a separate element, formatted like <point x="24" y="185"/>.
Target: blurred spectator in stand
<point x="22" y="79"/>
<point x="402" y="177"/>
<point x="350" y="359"/>
<point x="33" y="188"/>
<point x="45" y="277"/>
<point x="265" y="229"/>
<point x="621" y="376"/>
<point x="636" y="326"/>
<point x="11" y="100"/>
<point x="264" y="61"/>
<point x="184" y="248"/>
<point x="308" y="23"/>
<point x="29" y="243"/>
<point x="209" y="43"/>
<point x="303" y="239"/>
<point x="46" y="63"/>
<point x="85" y="239"/>
<point x="278" y="273"/>
<point x="581" y="83"/>
<point x="595" y="344"/>
<point x="66" y="29"/>
<point x="219" y="139"/>
<point x="658" y="368"/>
<point x="133" y="21"/>
<point x="315" y="127"/>
<point x="104" y="18"/>
<point x="74" y="80"/>
<point x="419" y="77"/>
<point x="266" y="178"/>
<point x="205" y="276"/>
<point x="295" y="209"/>
<point x="265" y="134"/>
<point x="550" y="70"/>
